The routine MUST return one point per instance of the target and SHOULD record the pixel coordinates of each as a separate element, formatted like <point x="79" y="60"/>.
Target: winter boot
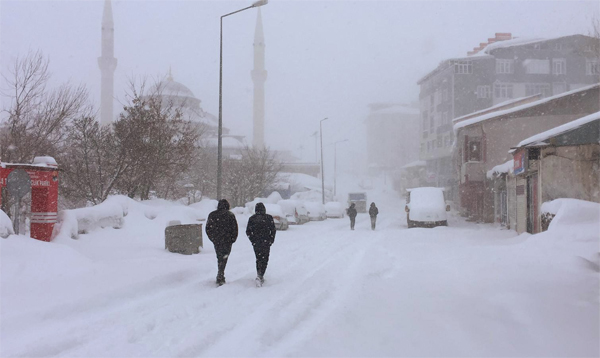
<point x="259" y="281"/>
<point x="220" y="280"/>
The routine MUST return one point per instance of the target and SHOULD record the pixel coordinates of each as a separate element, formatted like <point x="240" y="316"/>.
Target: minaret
<point x="259" y="76"/>
<point x="107" y="63"/>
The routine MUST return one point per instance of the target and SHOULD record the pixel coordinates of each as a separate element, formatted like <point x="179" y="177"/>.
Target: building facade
<point x="560" y="163"/>
<point x="392" y="140"/>
<point x="484" y="142"/>
<point x="495" y="72"/>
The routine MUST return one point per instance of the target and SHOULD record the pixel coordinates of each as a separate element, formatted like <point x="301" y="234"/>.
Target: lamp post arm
<point x="235" y="12"/>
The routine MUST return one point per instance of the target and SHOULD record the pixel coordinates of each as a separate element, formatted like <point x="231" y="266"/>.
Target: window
<point x="559" y="66"/>
<point x="439" y="141"/>
<point x="503" y="90"/>
<point x="505" y="66"/>
<point x="431" y="123"/>
<point x="474" y="154"/>
<point x="536" y="88"/>
<point x="463" y="67"/>
<point x="484" y="92"/>
<point x="537" y="66"/>
<point x="592" y="67"/>
<point x="558" y="46"/>
<point x="445" y="94"/>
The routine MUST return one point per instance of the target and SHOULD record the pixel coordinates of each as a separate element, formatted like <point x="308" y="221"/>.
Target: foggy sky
<point x="324" y="58"/>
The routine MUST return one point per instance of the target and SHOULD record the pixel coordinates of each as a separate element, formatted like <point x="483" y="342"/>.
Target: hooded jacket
<point x="261" y="227"/>
<point x="373" y="211"/>
<point x="351" y="211"/>
<point x="221" y="225"/>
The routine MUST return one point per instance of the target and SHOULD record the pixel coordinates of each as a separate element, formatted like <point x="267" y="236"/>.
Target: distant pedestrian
<point x="261" y="232"/>
<point x="373" y="211"/>
<point x="351" y="211"/>
<point x="222" y="230"/>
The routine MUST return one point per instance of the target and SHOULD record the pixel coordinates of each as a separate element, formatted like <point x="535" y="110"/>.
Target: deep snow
<point x="463" y="290"/>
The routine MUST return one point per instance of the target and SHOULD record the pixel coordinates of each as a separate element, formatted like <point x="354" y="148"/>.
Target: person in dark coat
<point x="373" y="211"/>
<point x="222" y="230"/>
<point x="351" y="211"/>
<point x="261" y="232"/>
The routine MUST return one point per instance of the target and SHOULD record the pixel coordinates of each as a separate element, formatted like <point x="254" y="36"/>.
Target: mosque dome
<point x="174" y="88"/>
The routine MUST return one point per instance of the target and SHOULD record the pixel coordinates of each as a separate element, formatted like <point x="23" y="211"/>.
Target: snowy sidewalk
<point x="463" y="290"/>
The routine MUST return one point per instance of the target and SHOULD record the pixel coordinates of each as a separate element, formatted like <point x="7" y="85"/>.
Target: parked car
<point x="426" y="207"/>
<point x="334" y="209"/>
<point x="294" y="211"/>
<point x="359" y="200"/>
<point x="316" y="211"/>
<point x="276" y="212"/>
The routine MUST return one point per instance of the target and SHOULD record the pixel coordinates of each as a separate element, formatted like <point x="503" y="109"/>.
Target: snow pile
<point x="501" y="169"/>
<point x="6" y="226"/>
<point x="112" y="212"/>
<point x="205" y="207"/>
<point x="45" y="161"/>
<point x="302" y="182"/>
<point x="312" y="195"/>
<point x="569" y="212"/>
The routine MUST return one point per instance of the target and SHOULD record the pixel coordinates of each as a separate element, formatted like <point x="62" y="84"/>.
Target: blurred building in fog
<point x="499" y="70"/>
<point x="392" y="137"/>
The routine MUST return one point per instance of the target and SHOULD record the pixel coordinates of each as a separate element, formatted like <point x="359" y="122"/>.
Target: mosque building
<point x="180" y="95"/>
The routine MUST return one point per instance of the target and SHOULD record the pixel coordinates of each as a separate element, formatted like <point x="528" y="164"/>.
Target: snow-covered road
<point x="464" y="290"/>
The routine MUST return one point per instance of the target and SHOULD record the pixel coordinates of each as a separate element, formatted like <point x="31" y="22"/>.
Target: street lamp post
<point x="335" y="165"/>
<point x="220" y="130"/>
<point x="322" y="172"/>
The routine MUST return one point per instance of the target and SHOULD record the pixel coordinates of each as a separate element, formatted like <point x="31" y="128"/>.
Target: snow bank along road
<point x="463" y="290"/>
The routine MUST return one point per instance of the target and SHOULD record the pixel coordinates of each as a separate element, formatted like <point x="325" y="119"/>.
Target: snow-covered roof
<point x="541" y="137"/>
<point x="519" y="41"/>
<point x="501" y="169"/>
<point x="492" y="108"/>
<point x="416" y="163"/>
<point x="495" y="114"/>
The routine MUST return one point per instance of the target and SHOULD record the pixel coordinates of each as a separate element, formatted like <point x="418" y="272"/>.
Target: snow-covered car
<point x="295" y="212"/>
<point x="316" y="211"/>
<point x="275" y="211"/>
<point x="426" y="207"/>
<point x="334" y="209"/>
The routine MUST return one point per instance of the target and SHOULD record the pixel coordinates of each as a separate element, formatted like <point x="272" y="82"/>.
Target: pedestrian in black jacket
<point x="222" y="230"/>
<point x="351" y="211"/>
<point x="261" y="232"/>
<point x="373" y="211"/>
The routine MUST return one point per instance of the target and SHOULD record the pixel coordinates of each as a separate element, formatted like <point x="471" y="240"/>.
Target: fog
<point x="324" y="58"/>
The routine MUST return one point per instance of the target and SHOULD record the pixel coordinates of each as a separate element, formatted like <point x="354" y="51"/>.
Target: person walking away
<point x="222" y="230"/>
<point x="261" y="232"/>
<point x="373" y="211"/>
<point x="351" y="211"/>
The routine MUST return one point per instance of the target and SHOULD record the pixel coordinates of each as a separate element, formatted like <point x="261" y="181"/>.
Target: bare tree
<point x="158" y="142"/>
<point x="249" y="177"/>
<point x="37" y="116"/>
<point x="92" y="162"/>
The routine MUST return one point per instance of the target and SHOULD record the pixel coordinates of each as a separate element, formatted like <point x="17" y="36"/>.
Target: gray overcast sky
<point x="324" y="58"/>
